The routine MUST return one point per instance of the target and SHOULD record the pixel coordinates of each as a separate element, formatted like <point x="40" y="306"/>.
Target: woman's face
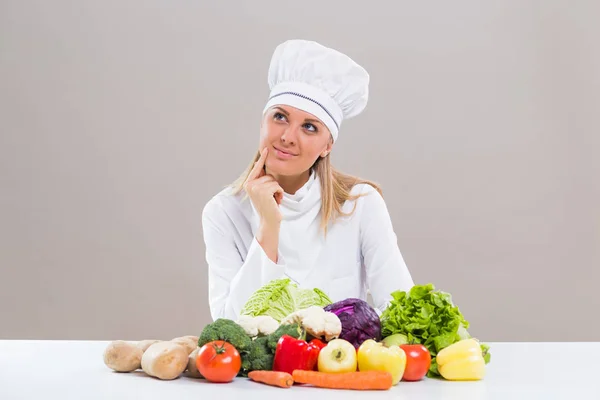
<point x="295" y="138"/>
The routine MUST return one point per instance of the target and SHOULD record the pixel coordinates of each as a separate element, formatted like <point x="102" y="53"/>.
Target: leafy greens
<point x="280" y="297"/>
<point x="428" y="317"/>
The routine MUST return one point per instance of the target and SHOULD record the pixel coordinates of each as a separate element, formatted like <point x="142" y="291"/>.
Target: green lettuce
<point x="280" y="297"/>
<point x="428" y="317"/>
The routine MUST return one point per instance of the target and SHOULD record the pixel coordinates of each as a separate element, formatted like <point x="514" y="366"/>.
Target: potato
<point x="122" y="356"/>
<point x="186" y="341"/>
<point x="193" y="338"/>
<point x="165" y="360"/>
<point x="192" y="368"/>
<point x="144" y="344"/>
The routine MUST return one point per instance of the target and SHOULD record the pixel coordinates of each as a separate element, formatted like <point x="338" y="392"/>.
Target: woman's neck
<point x="291" y="184"/>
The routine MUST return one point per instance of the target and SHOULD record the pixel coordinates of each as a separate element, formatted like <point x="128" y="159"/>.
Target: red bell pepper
<point x="292" y="353"/>
<point x="319" y="343"/>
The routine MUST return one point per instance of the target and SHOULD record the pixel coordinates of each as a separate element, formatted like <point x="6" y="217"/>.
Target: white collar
<point x="300" y="193"/>
<point x="307" y="199"/>
<point x="306" y="202"/>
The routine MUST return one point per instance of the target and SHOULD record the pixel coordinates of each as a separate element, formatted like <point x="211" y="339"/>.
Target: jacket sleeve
<point x="386" y="270"/>
<point x="233" y="276"/>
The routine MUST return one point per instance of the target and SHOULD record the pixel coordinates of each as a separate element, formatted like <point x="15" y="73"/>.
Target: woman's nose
<point x="289" y="135"/>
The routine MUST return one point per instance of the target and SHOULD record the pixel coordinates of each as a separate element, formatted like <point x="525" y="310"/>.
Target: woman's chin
<point x="282" y="168"/>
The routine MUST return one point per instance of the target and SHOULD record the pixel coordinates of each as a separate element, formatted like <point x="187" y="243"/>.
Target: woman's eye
<point x="279" y="116"/>
<point x="310" y="127"/>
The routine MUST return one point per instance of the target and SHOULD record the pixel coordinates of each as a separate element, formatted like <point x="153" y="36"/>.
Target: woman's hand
<point x="265" y="192"/>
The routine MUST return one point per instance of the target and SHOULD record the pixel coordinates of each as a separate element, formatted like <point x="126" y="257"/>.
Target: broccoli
<point x="293" y="330"/>
<point x="261" y="353"/>
<point x="228" y="331"/>
<point x="259" y="356"/>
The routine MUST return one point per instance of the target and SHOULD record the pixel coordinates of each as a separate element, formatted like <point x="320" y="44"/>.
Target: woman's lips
<point x="283" y="154"/>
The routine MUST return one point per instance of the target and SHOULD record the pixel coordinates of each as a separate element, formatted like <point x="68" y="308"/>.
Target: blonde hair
<point x="335" y="188"/>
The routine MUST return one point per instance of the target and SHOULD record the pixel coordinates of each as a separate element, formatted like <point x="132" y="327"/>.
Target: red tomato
<point x="219" y="361"/>
<point x="418" y="361"/>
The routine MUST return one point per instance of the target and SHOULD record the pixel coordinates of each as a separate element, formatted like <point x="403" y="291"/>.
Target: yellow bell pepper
<point x="461" y="361"/>
<point x="373" y="355"/>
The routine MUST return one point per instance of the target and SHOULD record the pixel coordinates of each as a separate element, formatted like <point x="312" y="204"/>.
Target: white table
<point x="75" y="370"/>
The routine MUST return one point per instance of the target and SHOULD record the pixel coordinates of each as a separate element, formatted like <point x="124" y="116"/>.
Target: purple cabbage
<point x="359" y="320"/>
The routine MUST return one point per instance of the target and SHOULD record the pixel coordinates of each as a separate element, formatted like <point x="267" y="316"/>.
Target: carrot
<point x="359" y="380"/>
<point x="273" y="378"/>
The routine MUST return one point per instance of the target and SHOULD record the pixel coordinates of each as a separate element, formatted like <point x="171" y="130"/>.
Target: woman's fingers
<point x="268" y="186"/>
<point x="273" y="188"/>
<point x="255" y="184"/>
<point x="261" y="185"/>
<point x="258" y="165"/>
<point x="278" y="195"/>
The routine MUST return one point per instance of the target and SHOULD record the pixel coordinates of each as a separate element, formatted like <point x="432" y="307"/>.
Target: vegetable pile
<point x="287" y="335"/>
<point x="426" y="316"/>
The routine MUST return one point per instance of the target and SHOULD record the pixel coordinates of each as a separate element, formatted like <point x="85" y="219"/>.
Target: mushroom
<point x="165" y="360"/>
<point x="122" y="356"/>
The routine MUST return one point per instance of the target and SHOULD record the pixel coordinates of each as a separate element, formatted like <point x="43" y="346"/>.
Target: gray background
<point x="120" y="119"/>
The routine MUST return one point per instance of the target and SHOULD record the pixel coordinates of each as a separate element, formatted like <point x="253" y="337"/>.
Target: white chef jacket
<point x="359" y="253"/>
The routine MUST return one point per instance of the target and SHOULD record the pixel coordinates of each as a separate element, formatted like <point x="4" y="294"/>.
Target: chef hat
<point x="319" y="80"/>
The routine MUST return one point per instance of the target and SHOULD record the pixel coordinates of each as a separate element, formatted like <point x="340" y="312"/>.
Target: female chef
<point x="291" y="214"/>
